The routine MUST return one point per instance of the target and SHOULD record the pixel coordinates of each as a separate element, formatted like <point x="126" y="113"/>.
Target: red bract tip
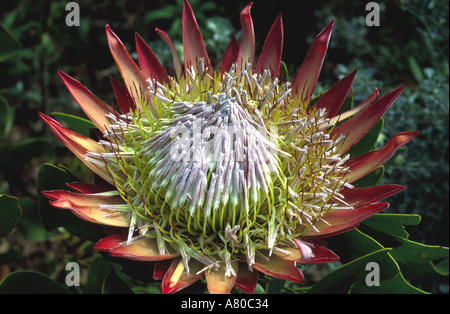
<point x="363" y="164"/>
<point x="270" y="58"/>
<point x="247" y="46"/>
<point x="150" y="66"/>
<point x="193" y="45"/>
<point x="306" y="78"/>
<point x="94" y="108"/>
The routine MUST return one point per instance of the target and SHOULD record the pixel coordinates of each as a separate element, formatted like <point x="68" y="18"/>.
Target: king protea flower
<point x="226" y="171"/>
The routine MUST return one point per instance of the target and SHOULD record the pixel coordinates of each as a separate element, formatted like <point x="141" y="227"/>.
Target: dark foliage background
<point x="410" y="48"/>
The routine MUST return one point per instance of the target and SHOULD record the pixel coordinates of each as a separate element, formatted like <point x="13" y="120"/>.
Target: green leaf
<point x="418" y="262"/>
<point x="364" y="243"/>
<point x="406" y="251"/>
<point x="98" y="271"/>
<point x="75" y="123"/>
<point x="275" y="286"/>
<point x="10" y="46"/>
<point x="132" y="269"/>
<point x="410" y="252"/>
<point x="149" y="289"/>
<point x="168" y="12"/>
<point x="115" y="275"/>
<point x="371" y="179"/>
<point x="426" y="271"/>
<point x="368" y="142"/>
<point x="393" y="224"/>
<point x="30" y="224"/>
<point x="341" y="279"/>
<point x="259" y="289"/>
<point x="347" y="104"/>
<point x="10" y="213"/>
<point x="356" y="247"/>
<point x="30" y="282"/>
<point x="415" y="69"/>
<point x="441" y="267"/>
<point x="114" y="284"/>
<point x="207" y="6"/>
<point x="51" y="177"/>
<point x="395" y="285"/>
<point x="6" y="117"/>
<point x="353" y="244"/>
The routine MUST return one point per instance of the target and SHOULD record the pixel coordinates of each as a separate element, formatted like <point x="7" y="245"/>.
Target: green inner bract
<point x="222" y="167"/>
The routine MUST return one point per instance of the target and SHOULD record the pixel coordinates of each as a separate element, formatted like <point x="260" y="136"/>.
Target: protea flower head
<point x="225" y="171"/>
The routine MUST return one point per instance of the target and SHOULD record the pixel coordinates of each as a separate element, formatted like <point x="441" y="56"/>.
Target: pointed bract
<point x="86" y="188"/>
<point x="218" y="282"/>
<point x="78" y="144"/>
<point x="307" y="252"/>
<point x="230" y="55"/>
<point x="123" y="97"/>
<point x="176" y="278"/>
<point x="363" y="164"/>
<point x="314" y="253"/>
<point x="363" y="196"/>
<point x="150" y="66"/>
<point x="145" y="249"/>
<point x="83" y="199"/>
<point x="193" y="45"/>
<point x="356" y="127"/>
<point x="246" y="52"/>
<point x="270" y="57"/>
<point x="339" y="221"/>
<point x="279" y="268"/>
<point x="108" y="244"/>
<point x="334" y="97"/>
<point x="347" y="114"/>
<point x="94" y="108"/>
<point x="131" y="74"/>
<point x="246" y="279"/>
<point x="93" y="214"/>
<point x="175" y="58"/>
<point x="161" y="268"/>
<point x="306" y="78"/>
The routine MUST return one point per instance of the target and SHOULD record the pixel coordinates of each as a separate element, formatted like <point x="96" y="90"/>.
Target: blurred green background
<point x="410" y="48"/>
